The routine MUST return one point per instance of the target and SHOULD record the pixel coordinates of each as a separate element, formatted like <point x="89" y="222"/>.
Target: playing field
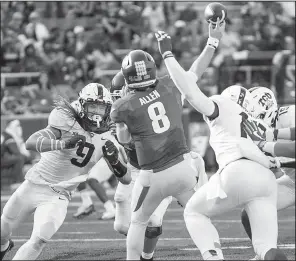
<point x="91" y="239"/>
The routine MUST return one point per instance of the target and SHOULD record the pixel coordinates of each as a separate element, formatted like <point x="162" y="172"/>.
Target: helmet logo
<point x="141" y="68"/>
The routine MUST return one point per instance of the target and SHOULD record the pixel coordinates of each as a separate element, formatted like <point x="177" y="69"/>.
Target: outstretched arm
<point x="184" y="80"/>
<point x="200" y="65"/>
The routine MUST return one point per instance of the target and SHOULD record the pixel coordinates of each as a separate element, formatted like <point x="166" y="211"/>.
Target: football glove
<point x="110" y="152"/>
<point x="74" y="141"/>
<point x="164" y="44"/>
<point x="274" y="163"/>
<point x="252" y="130"/>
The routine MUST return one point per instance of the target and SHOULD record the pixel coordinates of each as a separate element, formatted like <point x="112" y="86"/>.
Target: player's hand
<point x="274" y="163"/>
<point x="217" y="30"/>
<point x="74" y="141"/>
<point x="252" y="130"/>
<point x="110" y="152"/>
<point x="164" y="42"/>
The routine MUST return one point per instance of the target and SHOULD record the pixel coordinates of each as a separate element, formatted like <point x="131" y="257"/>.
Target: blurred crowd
<point x="91" y="38"/>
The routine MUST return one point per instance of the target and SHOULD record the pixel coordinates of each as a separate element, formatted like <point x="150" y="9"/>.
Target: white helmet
<point x="95" y="104"/>
<point x="268" y="108"/>
<point x="242" y="97"/>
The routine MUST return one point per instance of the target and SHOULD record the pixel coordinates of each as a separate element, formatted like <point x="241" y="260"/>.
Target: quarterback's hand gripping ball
<point x="164" y="42"/>
<point x="74" y="141"/>
<point x="110" y="152"/>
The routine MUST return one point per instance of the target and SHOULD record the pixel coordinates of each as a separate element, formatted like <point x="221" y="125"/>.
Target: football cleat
<point x="10" y="246"/>
<point x="83" y="211"/>
<point x="108" y="215"/>
<point x="256" y="258"/>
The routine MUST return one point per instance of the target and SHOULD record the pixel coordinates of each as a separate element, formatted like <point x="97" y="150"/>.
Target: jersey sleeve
<point x="59" y="119"/>
<point x="119" y="111"/>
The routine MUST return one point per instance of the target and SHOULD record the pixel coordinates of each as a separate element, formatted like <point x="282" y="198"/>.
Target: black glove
<point x="164" y="43"/>
<point x="110" y="152"/>
<point x="74" y="141"/>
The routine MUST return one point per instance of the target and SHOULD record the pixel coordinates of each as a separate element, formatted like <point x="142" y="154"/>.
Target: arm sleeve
<point x="282" y="149"/>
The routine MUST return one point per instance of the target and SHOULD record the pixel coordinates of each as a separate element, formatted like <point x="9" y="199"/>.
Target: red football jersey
<point x="154" y="119"/>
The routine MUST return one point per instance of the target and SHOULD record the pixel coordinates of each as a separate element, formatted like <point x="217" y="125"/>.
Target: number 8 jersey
<point x="62" y="165"/>
<point x="154" y="119"/>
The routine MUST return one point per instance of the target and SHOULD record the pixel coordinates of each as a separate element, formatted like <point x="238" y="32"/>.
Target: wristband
<point x="213" y="42"/>
<point x="167" y="54"/>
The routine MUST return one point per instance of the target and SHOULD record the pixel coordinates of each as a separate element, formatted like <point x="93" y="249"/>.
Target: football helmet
<point x="117" y="84"/>
<point x="139" y="69"/>
<point x="94" y="104"/>
<point x="242" y="97"/>
<point x="268" y="108"/>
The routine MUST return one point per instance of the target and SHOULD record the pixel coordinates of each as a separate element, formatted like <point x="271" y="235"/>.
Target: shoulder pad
<point x="59" y="119"/>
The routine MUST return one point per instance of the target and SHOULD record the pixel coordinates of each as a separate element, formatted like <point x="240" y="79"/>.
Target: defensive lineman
<point x="227" y="188"/>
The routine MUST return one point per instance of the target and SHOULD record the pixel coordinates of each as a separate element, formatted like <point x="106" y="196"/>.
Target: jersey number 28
<point x="157" y="114"/>
<point x="86" y="157"/>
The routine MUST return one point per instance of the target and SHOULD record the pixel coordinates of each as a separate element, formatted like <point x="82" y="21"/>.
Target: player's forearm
<point x="122" y="133"/>
<point x="250" y="151"/>
<point x="285" y="133"/>
<point x="200" y="65"/>
<point x="186" y="83"/>
<point x="39" y="142"/>
<point x="280" y="149"/>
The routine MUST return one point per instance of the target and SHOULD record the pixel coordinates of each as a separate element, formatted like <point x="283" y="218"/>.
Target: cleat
<point x="256" y="258"/>
<point x="108" y="215"/>
<point x="83" y="211"/>
<point x="10" y="246"/>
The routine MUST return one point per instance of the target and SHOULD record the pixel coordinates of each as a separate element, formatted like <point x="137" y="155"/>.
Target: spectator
<point x="69" y="43"/>
<point x="13" y="153"/>
<point x="16" y="23"/>
<point x="81" y="42"/>
<point x="154" y="16"/>
<point x="37" y="29"/>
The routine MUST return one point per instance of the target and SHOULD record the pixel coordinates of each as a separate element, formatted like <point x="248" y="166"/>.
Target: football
<point x="215" y="10"/>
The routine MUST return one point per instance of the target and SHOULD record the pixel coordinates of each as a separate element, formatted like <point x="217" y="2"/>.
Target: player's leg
<point x="87" y="206"/>
<point x="154" y="228"/>
<point x="19" y="207"/>
<point x="146" y="196"/>
<point x="122" y="200"/>
<point x="48" y="218"/>
<point x="285" y="198"/>
<point x="97" y="175"/>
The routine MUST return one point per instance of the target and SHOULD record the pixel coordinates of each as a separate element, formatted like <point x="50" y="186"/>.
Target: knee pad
<point x="153" y="232"/>
<point x="275" y="254"/>
<point x="155" y="221"/>
<point x="45" y="233"/>
<point x="120" y="228"/>
<point x="37" y="242"/>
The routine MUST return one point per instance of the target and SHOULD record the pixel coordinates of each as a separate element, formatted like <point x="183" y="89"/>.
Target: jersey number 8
<point x="157" y="114"/>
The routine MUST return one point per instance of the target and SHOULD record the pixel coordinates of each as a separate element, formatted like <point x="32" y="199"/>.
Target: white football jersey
<point x="63" y="165"/>
<point x="286" y="117"/>
<point x="226" y="130"/>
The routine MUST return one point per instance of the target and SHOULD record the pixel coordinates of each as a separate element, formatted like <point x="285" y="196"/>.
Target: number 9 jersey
<point x="154" y="119"/>
<point x="62" y="165"/>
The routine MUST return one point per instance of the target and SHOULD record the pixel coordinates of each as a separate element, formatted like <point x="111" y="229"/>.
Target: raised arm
<point x="200" y="65"/>
<point x="185" y="81"/>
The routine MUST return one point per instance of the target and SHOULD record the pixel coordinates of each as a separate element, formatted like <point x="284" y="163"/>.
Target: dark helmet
<point x="117" y="85"/>
<point x="139" y="69"/>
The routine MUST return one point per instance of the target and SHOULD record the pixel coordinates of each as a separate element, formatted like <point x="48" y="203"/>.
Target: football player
<point x="279" y="122"/>
<point x="243" y="178"/>
<point x="69" y="148"/>
<point x="123" y="192"/>
<point x="151" y="116"/>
